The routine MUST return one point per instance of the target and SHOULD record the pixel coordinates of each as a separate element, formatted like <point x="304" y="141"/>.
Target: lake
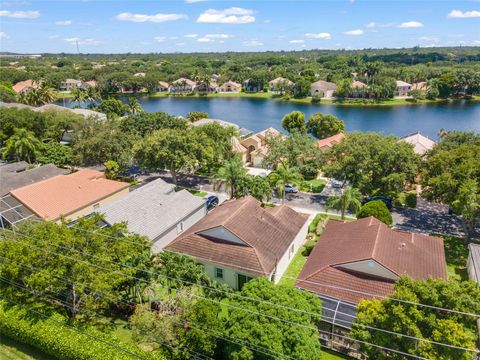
<point x="258" y="114"/>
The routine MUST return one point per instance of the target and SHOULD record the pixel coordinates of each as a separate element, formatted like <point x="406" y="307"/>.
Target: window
<point x="219" y="273"/>
<point x="179" y="227"/>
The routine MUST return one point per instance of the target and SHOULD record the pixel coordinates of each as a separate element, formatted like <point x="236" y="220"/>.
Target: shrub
<point x="378" y="210"/>
<point x="55" y="339"/>
<point x="316" y="99"/>
<point x="399" y="200"/>
<point x="411" y="200"/>
<point x="307" y="249"/>
<point x="309" y="170"/>
<point x="318" y="219"/>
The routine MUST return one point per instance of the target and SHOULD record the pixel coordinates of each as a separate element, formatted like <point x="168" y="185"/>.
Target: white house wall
<point x="229" y="275"/>
<point x="169" y="235"/>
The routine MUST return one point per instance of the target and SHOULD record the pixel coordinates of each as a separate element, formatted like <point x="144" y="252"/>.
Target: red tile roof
<point x="402" y="253"/>
<point x="24" y="85"/>
<point x="330" y="141"/>
<point x="267" y="234"/>
<point x="66" y="194"/>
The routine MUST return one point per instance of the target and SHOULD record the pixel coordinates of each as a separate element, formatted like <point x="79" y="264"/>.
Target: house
<point x="279" y="84"/>
<point x="403" y="88"/>
<point x="327" y="143"/>
<point x="473" y="262"/>
<point x="230" y="86"/>
<point x="251" y="86"/>
<point x="323" y="89"/>
<point x="162" y="86"/>
<point x="89" y="83"/>
<point x="206" y="87"/>
<point x="255" y="146"/>
<point x="182" y="85"/>
<point x="241" y="240"/>
<point x="422" y="86"/>
<point x="359" y="89"/>
<point x="24" y="86"/>
<point x="421" y="144"/>
<point x="156" y="211"/>
<point x="362" y="259"/>
<point x="19" y="174"/>
<point x="69" y="196"/>
<point x="70" y="84"/>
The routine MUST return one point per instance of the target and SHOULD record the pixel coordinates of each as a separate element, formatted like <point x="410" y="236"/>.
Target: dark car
<point x="386" y="200"/>
<point x="211" y="202"/>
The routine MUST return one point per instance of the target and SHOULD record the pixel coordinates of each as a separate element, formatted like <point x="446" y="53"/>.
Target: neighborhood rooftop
<point x="421" y="143"/>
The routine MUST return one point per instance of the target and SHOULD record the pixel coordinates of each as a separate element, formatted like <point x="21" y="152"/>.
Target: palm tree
<point x="47" y="94"/>
<point x="282" y="176"/>
<point x="350" y="199"/>
<point x="134" y="106"/>
<point x="78" y="95"/>
<point x="231" y="173"/>
<point x="22" y="145"/>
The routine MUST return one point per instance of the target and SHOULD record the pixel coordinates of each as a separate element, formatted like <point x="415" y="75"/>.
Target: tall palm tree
<point x="282" y="176"/>
<point x="47" y="94"/>
<point x="231" y="173"/>
<point x="349" y="200"/>
<point x="134" y="106"/>
<point x="22" y="145"/>
<point x="78" y="95"/>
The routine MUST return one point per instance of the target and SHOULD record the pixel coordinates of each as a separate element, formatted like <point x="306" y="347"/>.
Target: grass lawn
<point x="332" y="355"/>
<point x="313" y="186"/>
<point x="13" y="350"/>
<point x="197" y="192"/>
<point x="456" y="252"/>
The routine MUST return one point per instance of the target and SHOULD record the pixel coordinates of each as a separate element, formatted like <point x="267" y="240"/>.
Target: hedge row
<point x="63" y="343"/>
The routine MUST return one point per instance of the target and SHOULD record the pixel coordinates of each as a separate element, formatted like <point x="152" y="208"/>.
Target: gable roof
<point x="402" y="83"/>
<point x="416" y="255"/>
<point x="24" y="85"/>
<point x="152" y="209"/>
<point x="324" y="85"/>
<point x="267" y="234"/>
<point x="358" y="84"/>
<point x="330" y="141"/>
<point x="164" y="84"/>
<point x="280" y="79"/>
<point x="66" y="194"/>
<point x="421" y="143"/>
<point x="16" y="175"/>
<point x="232" y="84"/>
<point x="188" y="82"/>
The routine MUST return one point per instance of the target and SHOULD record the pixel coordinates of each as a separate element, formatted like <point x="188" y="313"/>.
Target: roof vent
<point x="402" y="245"/>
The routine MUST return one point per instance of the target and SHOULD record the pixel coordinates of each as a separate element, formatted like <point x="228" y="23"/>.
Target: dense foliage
<point x="378" y="210"/>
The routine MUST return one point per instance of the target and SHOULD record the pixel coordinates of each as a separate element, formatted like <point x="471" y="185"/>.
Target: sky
<point x="120" y="26"/>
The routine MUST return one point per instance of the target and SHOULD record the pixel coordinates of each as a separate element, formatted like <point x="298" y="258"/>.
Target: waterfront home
<point x="329" y="142"/>
<point x="206" y="87"/>
<point x="421" y="143"/>
<point x="241" y="240"/>
<point x="70" y="84"/>
<point x="256" y="148"/>
<point x="403" y="88"/>
<point x="162" y="86"/>
<point x="251" y="86"/>
<point x="89" y="83"/>
<point x="182" y="85"/>
<point x="368" y="256"/>
<point x="230" y="86"/>
<point x="24" y="86"/>
<point x="359" y="89"/>
<point x="422" y="86"/>
<point x="279" y="85"/>
<point x="69" y="196"/>
<point x="323" y="89"/>
<point x="157" y="211"/>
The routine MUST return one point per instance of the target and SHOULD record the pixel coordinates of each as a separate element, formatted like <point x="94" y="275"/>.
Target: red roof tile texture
<point x="67" y="194"/>
<point x="328" y="142"/>
<point x="402" y="253"/>
<point x="266" y="235"/>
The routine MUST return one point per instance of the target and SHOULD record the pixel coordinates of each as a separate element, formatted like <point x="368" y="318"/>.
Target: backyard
<point x="456" y="253"/>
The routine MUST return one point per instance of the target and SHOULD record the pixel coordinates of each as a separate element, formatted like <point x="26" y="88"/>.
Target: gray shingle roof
<point x="152" y="209"/>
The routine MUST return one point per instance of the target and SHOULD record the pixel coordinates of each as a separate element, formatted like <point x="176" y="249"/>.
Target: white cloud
<point x="204" y="39"/>
<point x="64" y="22"/>
<point x="20" y="14"/>
<point x="3" y="35"/>
<point x="233" y="15"/>
<point x="160" y="38"/>
<point x="476" y="42"/>
<point x="156" y="18"/>
<point x="252" y="43"/>
<point x="191" y="35"/>
<point x="194" y="1"/>
<point x="218" y="36"/>
<point x="180" y="44"/>
<point x="373" y="24"/>
<point x="458" y="14"/>
<point x="296" y="41"/>
<point x="80" y="41"/>
<point x="410" y="24"/>
<point x="356" y="32"/>
<point x="429" y="38"/>
<point x="323" y="35"/>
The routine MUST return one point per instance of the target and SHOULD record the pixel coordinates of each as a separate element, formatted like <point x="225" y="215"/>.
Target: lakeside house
<point x="241" y="240"/>
<point x="25" y="85"/>
<point x="323" y="89"/>
<point x="251" y="86"/>
<point x="422" y="86"/>
<point x="206" y="87"/>
<point x="421" y="143"/>
<point x="162" y="86"/>
<point x="70" y="84"/>
<point x="329" y="142"/>
<point x="279" y="85"/>
<point x="403" y="88"/>
<point x="359" y="89"/>
<point x="230" y="87"/>
<point x="182" y="85"/>
<point x="69" y="196"/>
<point x="253" y="149"/>
<point x="89" y="83"/>
<point x="54" y="107"/>
<point x="157" y="211"/>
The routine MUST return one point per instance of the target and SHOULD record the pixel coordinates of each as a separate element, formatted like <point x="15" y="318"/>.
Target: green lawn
<point x="13" y="350"/>
<point x="313" y="186"/>
<point x="197" y="192"/>
<point x="456" y="252"/>
<point x="332" y="355"/>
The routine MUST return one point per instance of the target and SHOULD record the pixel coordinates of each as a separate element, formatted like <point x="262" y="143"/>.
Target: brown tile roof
<point x="267" y="234"/>
<point x="24" y="85"/>
<point x="358" y="84"/>
<point x="416" y="255"/>
<point x="66" y="194"/>
<point x="330" y="141"/>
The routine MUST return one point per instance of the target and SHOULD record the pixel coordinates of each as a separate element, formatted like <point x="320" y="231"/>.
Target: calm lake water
<point x="258" y="114"/>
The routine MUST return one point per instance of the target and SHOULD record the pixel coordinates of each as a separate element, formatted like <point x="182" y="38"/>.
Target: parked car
<point x="290" y="188"/>
<point x="337" y="184"/>
<point x="212" y="201"/>
<point x="386" y="200"/>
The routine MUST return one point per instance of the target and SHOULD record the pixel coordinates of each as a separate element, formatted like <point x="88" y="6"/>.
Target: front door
<point x="242" y="280"/>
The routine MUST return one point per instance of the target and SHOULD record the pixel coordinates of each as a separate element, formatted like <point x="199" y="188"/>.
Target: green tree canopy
<point x="324" y="125"/>
<point x="22" y="145"/>
<point x="143" y="123"/>
<point x="53" y="152"/>
<point x="378" y="210"/>
<point x="294" y="121"/>
<point x="348" y="200"/>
